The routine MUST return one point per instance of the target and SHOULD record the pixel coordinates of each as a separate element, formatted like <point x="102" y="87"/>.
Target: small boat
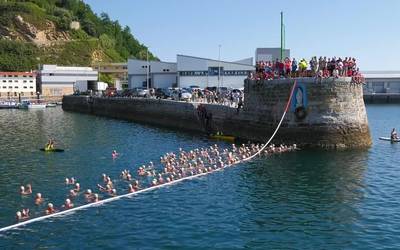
<point x="228" y="138"/>
<point x="51" y="105"/>
<point x="8" y="105"/>
<point x="389" y="139"/>
<point x="31" y="105"/>
<point x="52" y="150"/>
<point x="59" y="103"/>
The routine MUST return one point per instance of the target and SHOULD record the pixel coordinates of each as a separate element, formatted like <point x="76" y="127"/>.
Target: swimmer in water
<point x="18" y="216"/>
<point x="113" y="192"/>
<point x="27" y="190"/>
<point x="95" y="198"/>
<point x="25" y="213"/>
<point x="72" y="193"/>
<point x="114" y="154"/>
<point x="68" y="204"/>
<point x="88" y="194"/>
<point x="66" y="181"/>
<point x="38" y="199"/>
<point x="130" y="189"/>
<point x="77" y="187"/>
<point x="72" y="180"/>
<point x="50" y="209"/>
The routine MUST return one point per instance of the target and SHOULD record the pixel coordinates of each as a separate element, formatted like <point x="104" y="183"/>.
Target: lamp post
<point x="219" y="66"/>
<point x="147" y="68"/>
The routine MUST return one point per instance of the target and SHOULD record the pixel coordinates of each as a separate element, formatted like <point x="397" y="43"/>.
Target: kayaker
<point x="49" y="145"/>
<point x="393" y="135"/>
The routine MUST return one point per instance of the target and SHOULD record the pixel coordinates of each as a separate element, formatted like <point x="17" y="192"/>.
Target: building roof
<point x="18" y="73"/>
<point x="153" y="61"/>
<point x="50" y="67"/>
<point x="381" y="73"/>
<point x="202" y="58"/>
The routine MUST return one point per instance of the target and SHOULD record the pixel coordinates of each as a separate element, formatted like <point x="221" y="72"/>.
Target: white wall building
<point x="56" y="80"/>
<point x="205" y="72"/>
<point x="378" y="82"/>
<point x="270" y="54"/>
<point x="188" y="71"/>
<point x="13" y="84"/>
<point x="160" y="74"/>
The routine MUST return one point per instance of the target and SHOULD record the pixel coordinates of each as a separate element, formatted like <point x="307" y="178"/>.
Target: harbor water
<point x="306" y="199"/>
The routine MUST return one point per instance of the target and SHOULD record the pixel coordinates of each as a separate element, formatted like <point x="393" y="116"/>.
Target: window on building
<point x="9" y="80"/>
<point x="25" y="87"/>
<point x="30" y="80"/>
<point x="24" y="80"/>
<point x="4" y="87"/>
<point x="15" y="93"/>
<point x="124" y="67"/>
<point x="213" y="71"/>
<point x="31" y="87"/>
<point x="15" y="80"/>
<point x="10" y="87"/>
<point x="4" y="81"/>
<point x="24" y="75"/>
<point x="9" y="75"/>
<point x="15" y="87"/>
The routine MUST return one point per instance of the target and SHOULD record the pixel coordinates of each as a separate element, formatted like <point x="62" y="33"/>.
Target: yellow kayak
<point x="223" y="137"/>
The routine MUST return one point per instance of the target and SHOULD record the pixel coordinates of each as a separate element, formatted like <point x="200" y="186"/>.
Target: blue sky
<point x="367" y="30"/>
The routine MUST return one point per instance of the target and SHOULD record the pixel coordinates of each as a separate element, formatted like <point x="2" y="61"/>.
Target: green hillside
<point x="34" y="32"/>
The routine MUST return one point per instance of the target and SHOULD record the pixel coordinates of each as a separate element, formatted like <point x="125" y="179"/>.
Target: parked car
<point x="163" y="93"/>
<point x="181" y="95"/>
<point x="140" y="92"/>
<point x="185" y="95"/>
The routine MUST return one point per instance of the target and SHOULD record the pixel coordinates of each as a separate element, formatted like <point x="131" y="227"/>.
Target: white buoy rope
<point x="100" y="202"/>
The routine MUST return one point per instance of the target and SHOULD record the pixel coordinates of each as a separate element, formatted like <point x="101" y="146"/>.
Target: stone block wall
<point x="333" y="109"/>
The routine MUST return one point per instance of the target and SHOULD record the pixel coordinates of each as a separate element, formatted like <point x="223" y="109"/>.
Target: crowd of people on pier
<point x="322" y="67"/>
<point x="174" y="166"/>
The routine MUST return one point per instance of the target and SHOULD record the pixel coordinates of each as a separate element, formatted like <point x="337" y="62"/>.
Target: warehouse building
<point x="188" y="71"/>
<point x="205" y="72"/>
<point x="270" y="54"/>
<point x="155" y="74"/>
<point x="56" y="81"/>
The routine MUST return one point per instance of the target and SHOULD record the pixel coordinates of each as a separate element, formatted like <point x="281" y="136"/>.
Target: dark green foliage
<point x="98" y="34"/>
<point x="18" y="56"/>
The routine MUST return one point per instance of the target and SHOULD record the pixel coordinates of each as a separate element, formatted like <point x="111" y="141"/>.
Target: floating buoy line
<point x="148" y="189"/>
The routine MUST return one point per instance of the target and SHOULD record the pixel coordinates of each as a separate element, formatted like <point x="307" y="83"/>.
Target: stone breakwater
<point x="327" y="113"/>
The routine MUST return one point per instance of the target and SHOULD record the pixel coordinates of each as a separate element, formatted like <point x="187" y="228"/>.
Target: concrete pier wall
<point x="327" y="114"/>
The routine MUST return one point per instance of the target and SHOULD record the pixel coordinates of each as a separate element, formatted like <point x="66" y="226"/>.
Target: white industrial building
<point x="13" y="84"/>
<point x="379" y="82"/>
<point x="270" y="54"/>
<point x="188" y="71"/>
<point x="159" y="75"/>
<point x="205" y="72"/>
<point x="56" y="81"/>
